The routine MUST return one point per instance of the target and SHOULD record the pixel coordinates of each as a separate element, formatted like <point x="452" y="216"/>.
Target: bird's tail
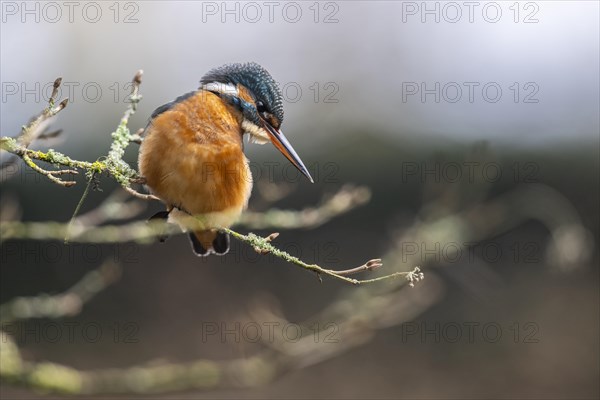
<point x="209" y="242"/>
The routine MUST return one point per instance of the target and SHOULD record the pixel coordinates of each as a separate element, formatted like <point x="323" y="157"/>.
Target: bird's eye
<point x="260" y="107"/>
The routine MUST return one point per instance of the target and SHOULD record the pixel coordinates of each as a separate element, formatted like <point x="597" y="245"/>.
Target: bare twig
<point x="34" y="130"/>
<point x="139" y="195"/>
<point x="137" y="137"/>
<point x="368" y="266"/>
<point x="263" y="245"/>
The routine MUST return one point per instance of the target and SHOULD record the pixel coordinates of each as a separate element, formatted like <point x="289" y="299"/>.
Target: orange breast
<point x="192" y="156"/>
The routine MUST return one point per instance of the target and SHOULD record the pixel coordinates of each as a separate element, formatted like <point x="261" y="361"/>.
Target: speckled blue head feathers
<point x="256" y="79"/>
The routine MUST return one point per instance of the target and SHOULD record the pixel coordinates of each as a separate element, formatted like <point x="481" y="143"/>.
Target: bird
<point x="192" y="154"/>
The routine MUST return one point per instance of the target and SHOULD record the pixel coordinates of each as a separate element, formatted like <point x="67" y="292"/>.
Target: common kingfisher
<point x="192" y="156"/>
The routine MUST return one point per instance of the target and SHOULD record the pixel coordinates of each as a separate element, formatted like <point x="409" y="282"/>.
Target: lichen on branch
<point x="114" y="166"/>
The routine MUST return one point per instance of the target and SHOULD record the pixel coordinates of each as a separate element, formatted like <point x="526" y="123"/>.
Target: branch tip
<point x="272" y="237"/>
<point x="414" y="276"/>
<point x="61" y="105"/>
<point x="138" y="76"/>
<point x="50" y="135"/>
<point x="55" y="87"/>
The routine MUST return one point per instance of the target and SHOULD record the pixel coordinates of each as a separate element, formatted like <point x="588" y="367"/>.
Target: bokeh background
<point x="478" y="124"/>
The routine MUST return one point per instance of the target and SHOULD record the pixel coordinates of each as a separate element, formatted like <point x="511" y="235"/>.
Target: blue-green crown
<point x="256" y="79"/>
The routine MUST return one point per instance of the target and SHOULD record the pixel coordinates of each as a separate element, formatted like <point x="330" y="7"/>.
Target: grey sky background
<point x="366" y="58"/>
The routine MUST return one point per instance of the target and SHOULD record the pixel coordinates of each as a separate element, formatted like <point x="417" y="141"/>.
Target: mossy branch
<point x="113" y="165"/>
<point x="263" y="245"/>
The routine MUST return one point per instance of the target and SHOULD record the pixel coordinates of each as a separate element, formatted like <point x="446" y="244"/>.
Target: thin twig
<point x="368" y="266"/>
<point x="79" y="204"/>
<point x="49" y="174"/>
<point x="263" y="245"/>
<point x="34" y="129"/>
<point x="139" y="195"/>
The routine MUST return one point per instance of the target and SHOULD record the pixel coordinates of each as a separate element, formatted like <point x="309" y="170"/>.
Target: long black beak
<point x="282" y="144"/>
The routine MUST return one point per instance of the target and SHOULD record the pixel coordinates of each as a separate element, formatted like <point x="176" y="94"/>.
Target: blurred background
<point x="475" y="128"/>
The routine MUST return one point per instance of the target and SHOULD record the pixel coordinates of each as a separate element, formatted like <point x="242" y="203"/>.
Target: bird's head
<point x="251" y="90"/>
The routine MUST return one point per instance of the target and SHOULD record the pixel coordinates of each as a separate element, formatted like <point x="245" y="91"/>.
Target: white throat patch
<point x="255" y="133"/>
